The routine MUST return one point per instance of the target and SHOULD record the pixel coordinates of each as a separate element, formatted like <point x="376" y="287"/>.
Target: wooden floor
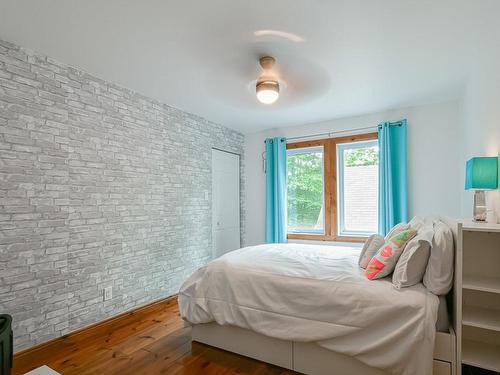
<point x="150" y="341"/>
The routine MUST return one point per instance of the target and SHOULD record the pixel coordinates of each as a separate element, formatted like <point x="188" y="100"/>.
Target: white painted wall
<point x="434" y="144"/>
<point x="480" y="109"/>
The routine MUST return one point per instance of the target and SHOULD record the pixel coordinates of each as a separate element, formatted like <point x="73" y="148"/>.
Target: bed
<point x="310" y="308"/>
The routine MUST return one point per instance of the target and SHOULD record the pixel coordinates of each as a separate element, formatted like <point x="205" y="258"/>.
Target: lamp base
<point x="480" y="206"/>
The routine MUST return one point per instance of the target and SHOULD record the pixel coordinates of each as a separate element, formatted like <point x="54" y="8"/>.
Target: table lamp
<point x="481" y="174"/>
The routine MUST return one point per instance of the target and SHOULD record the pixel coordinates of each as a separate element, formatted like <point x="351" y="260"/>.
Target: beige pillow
<point x="411" y="265"/>
<point x="398" y="228"/>
<point x="438" y="278"/>
<point x="371" y="246"/>
<point x="383" y="262"/>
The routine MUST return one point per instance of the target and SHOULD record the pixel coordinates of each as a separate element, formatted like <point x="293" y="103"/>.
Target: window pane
<point x="305" y="190"/>
<point x="358" y="188"/>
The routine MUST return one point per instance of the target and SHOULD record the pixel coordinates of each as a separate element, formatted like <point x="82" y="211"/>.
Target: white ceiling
<point x="344" y="57"/>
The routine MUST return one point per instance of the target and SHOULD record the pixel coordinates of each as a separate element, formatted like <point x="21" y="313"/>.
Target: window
<point x="305" y="190"/>
<point x="357" y="188"/>
<point x="333" y="188"/>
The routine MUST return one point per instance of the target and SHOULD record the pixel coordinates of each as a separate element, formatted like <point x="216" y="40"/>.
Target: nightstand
<point x="477" y="295"/>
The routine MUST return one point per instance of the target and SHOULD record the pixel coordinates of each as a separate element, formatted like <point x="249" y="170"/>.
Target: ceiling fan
<point x="267" y="88"/>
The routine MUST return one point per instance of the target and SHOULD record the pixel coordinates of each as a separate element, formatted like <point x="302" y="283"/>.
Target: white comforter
<point x="316" y="294"/>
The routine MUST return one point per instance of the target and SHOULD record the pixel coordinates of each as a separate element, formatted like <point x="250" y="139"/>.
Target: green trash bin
<point x="6" y="344"/>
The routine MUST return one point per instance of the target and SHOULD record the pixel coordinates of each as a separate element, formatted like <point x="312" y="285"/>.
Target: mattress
<point x="311" y="293"/>
<point x="443" y="318"/>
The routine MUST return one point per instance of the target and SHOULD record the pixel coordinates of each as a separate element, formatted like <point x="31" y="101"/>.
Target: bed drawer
<point x="444" y="346"/>
<point x="441" y="368"/>
<point x="245" y="342"/>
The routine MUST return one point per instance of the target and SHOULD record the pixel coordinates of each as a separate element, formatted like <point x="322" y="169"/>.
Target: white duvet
<point x="317" y="294"/>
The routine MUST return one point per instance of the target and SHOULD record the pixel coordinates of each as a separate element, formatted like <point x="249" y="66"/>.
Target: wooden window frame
<point x="330" y="186"/>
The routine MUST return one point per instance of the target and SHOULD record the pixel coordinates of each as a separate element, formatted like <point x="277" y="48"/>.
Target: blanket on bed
<point x="313" y="293"/>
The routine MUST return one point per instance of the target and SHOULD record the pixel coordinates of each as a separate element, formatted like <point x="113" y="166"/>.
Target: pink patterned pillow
<point x="384" y="261"/>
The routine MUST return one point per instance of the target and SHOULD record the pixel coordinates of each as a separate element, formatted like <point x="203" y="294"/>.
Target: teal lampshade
<point x="481" y="173"/>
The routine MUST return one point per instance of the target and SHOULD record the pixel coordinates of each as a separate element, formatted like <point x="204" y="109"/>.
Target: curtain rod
<point x="329" y="134"/>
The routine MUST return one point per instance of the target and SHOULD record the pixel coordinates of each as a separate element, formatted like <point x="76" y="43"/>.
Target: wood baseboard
<point x="95" y="329"/>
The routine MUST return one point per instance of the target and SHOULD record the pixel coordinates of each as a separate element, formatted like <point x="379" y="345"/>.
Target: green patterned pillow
<point x="384" y="261"/>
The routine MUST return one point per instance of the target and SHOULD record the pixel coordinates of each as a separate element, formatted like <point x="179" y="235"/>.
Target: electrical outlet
<point x="108" y="293"/>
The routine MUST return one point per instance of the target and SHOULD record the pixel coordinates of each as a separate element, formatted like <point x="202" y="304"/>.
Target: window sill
<point x="316" y="237"/>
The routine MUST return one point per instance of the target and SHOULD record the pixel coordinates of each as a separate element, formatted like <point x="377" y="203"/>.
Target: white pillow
<point x="371" y="246"/>
<point x="438" y="278"/>
<point x="418" y="222"/>
<point x="412" y="264"/>
<point x="452" y="224"/>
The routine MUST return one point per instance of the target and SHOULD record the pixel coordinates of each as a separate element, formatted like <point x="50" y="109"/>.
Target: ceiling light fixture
<point x="268" y="87"/>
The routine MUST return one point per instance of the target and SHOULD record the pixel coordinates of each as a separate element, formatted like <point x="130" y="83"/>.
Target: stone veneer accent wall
<point x="99" y="186"/>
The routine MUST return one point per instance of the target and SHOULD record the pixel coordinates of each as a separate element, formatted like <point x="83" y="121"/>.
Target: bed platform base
<point x="308" y="358"/>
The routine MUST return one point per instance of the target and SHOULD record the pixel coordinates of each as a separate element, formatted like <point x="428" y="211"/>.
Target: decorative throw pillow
<point x="411" y="265"/>
<point x="384" y="261"/>
<point x="438" y="278"/>
<point x="398" y="228"/>
<point x="371" y="246"/>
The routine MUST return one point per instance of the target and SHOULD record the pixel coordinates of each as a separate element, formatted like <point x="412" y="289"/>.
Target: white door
<point x="225" y="202"/>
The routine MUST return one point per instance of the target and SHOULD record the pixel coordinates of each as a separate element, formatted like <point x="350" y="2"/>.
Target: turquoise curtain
<point x="275" y="190"/>
<point x="393" y="179"/>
